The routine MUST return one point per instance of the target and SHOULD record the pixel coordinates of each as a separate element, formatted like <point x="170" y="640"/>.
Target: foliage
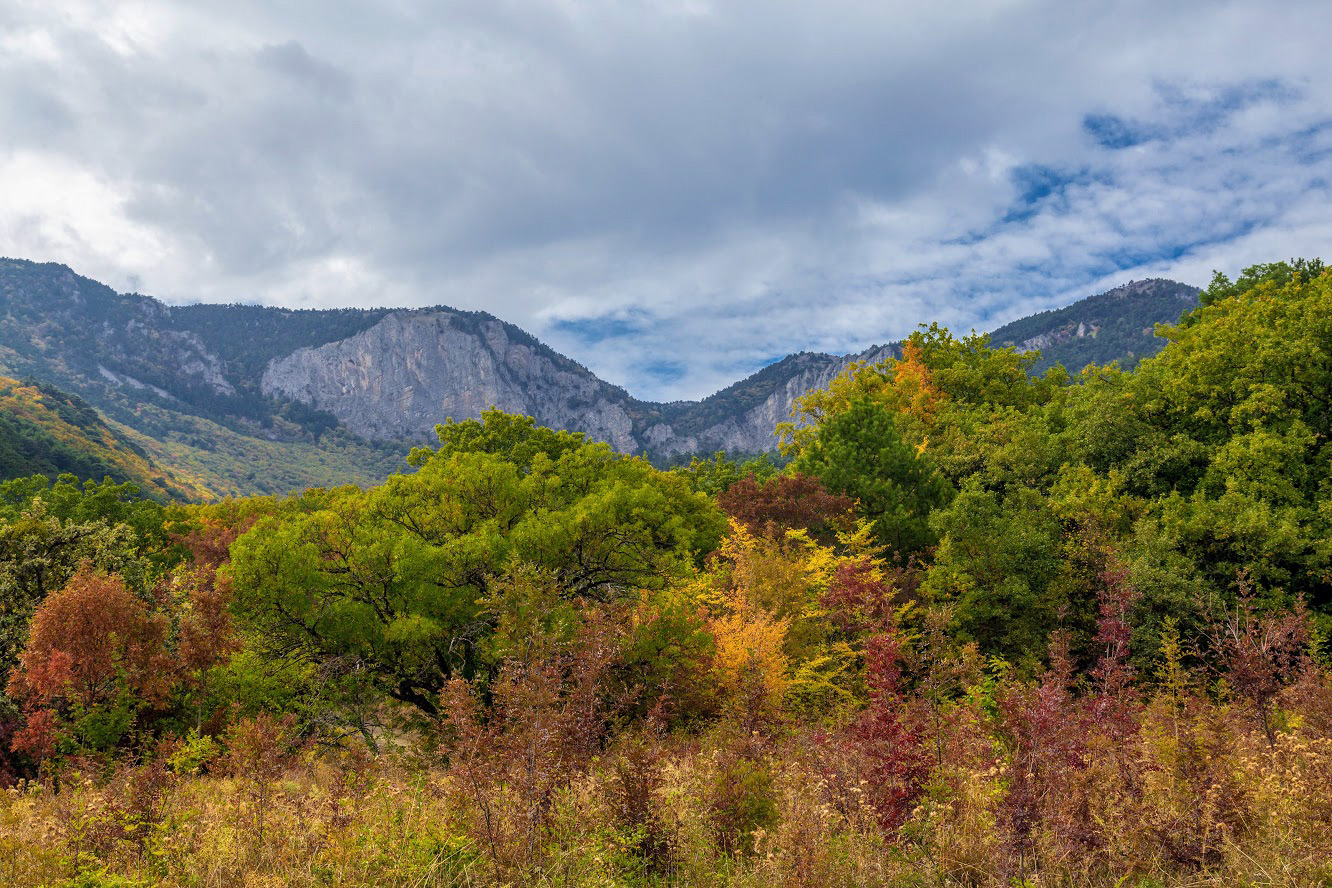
<point x="46" y="431"/>
<point x="714" y="476"/>
<point x="47" y="530"/>
<point x="1206" y="461"/>
<point x="787" y="502"/>
<point x="94" y="655"/>
<point x="1000" y="563"/>
<point x="546" y="718"/>
<point x="399" y="576"/>
<point x="861" y="454"/>
<point x="534" y="661"/>
<point x="1050" y="792"/>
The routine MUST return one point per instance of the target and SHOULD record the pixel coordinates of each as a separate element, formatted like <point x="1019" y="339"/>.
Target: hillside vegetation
<point x="985" y="627"/>
<point x="46" y="431"/>
<point x="1118" y="325"/>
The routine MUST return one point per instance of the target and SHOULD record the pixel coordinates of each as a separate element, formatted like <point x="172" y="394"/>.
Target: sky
<point x="672" y="192"/>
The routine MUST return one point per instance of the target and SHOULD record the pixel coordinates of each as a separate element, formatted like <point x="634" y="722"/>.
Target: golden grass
<point x="1200" y="803"/>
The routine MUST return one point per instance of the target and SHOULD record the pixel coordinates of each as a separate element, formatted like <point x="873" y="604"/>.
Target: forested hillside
<point x="237" y="399"/>
<point x="987" y="626"/>
<point x="1118" y="325"/>
<point x="49" y="432"/>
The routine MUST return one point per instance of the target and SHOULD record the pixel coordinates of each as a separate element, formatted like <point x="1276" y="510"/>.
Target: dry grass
<point x="1189" y="799"/>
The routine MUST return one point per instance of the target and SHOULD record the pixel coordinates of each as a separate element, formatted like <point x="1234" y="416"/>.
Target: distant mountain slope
<point x="179" y="382"/>
<point x="219" y="461"/>
<point x="743" y="417"/>
<point x="44" y="431"/>
<point x="247" y="337"/>
<point x="1114" y="326"/>
<point x="413" y="369"/>
<point x="243" y="399"/>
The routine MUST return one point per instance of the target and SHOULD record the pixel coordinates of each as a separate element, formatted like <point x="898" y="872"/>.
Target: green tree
<point x="999" y="563"/>
<point x="1233" y="436"/>
<point x="400" y="577"/>
<point x="860" y="452"/>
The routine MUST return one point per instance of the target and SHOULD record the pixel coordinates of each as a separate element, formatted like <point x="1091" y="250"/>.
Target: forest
<point x="975" y="626"/>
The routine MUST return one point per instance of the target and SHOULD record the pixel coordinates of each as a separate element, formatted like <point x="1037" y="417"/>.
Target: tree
<point x="94" y="657"/>
<point x="788" y="502"/>
<point x="1228" y="435"/>
<point x="715" y="476"/>
<point x="48" y="530"/>
<point x="39" y="552"/>
<point x="860" y="452"/>
<point x="999" y="563"/>
<point x="398" y="576"/>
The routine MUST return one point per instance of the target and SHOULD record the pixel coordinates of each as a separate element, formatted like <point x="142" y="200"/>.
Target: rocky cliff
<point x="413" y="369"/>
<point x="416" y="368"/>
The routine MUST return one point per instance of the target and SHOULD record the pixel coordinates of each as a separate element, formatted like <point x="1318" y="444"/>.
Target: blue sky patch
<point x="600" y="329"/>
<point x="1183" y="112"/>
<point x="1037" y="184"/>
<point x="1116" y="133"/>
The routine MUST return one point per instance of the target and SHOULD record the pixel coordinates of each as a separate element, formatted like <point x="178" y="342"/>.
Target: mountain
<point x="44" y="431"/>
<point x="397" y="379"/>
<point x="400" y="377"/>
<point x="244" y="399"/>
<point x="1114" y="326"/>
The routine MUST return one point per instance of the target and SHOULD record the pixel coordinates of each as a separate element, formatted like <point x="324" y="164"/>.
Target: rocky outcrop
<point x="752" y="429"/>
<point x="414" y="369"/>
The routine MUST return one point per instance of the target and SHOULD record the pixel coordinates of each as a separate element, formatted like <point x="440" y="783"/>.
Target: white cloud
<point x="54" y="207"/>
<point x="718" y="183"/>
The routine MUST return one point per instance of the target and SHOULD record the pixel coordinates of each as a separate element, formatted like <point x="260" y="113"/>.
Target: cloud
<point x="670" y="191"/>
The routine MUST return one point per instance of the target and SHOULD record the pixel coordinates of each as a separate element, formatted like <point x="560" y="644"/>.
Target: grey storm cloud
<point x="675" y="192"/>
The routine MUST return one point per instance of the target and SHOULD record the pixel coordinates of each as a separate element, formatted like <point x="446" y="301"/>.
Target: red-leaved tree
<point x="785" y="503"/>
<point x="1260" y="653"/>
<point x="92" y="644"/>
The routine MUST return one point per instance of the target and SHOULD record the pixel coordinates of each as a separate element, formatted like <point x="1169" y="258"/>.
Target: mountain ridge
<point x="354" y="387"/>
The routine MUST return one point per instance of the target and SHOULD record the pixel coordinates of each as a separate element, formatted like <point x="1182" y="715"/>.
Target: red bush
<point x="787" y="503"/>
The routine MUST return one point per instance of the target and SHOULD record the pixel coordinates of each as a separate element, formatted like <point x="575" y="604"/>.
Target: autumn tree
<point x="788" y="502"/>
<point x="95" y="656"/>
<point x="48" y="530"/>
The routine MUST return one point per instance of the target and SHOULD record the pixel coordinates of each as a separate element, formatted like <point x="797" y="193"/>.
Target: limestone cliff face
<point x="414" y="369"/>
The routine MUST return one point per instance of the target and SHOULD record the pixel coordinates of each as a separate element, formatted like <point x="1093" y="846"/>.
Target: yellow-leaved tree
<point x="775" y="651"/>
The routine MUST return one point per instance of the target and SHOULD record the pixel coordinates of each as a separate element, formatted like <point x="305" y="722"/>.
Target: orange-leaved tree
<point x="95" y="656"/>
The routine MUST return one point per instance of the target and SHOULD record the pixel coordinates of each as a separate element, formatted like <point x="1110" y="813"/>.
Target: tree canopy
<point x="400" y="576"/>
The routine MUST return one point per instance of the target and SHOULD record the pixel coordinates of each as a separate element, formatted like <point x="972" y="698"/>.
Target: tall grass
<point x="1183" y="791"/>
